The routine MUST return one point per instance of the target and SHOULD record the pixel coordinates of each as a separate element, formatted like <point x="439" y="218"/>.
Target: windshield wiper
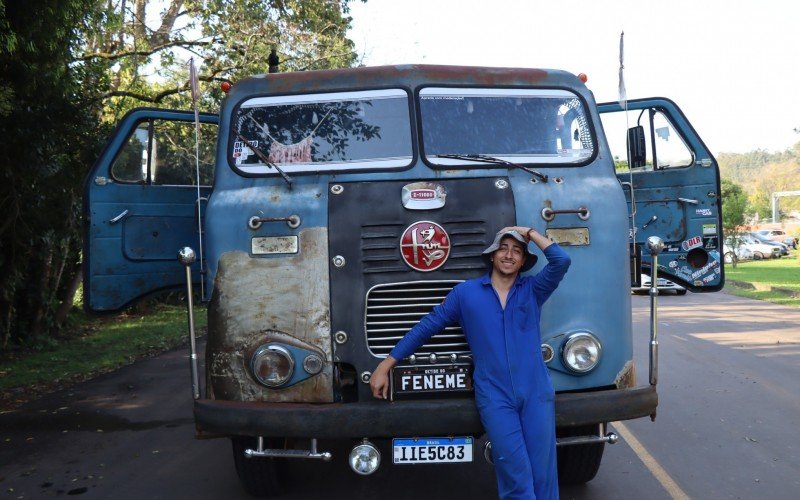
<point x="495" y="161"/>
<point x="265" y="160"/>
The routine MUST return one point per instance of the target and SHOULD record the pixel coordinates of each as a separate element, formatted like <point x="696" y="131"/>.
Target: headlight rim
<point x="280" y="350"/>
<point x="571" y="339"/>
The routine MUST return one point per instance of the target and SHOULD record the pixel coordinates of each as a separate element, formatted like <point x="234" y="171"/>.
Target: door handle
<point x="549" y="214"/>
<point x="293" y="221"/>
<point x="119" y="217"/>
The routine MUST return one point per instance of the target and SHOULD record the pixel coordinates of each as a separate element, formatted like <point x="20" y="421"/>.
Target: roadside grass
<point x="773" y="280"/>
<point x="95" y="345"/>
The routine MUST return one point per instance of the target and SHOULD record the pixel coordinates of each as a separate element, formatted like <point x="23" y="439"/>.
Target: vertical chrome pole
<point x="186" y="256"/>
<point x="655" y="245"/>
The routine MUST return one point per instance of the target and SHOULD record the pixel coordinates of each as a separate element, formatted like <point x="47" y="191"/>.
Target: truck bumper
<point x="402" y="418"/>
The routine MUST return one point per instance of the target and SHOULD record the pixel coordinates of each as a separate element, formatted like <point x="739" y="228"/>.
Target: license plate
<point x="432" y="450"/>
<point x="417" y="381"/>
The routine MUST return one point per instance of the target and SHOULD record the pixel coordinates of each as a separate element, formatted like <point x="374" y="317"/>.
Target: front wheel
<point x="260" y="476"/>
<point x="680" y="292"/>
<point x="579" y="463"/>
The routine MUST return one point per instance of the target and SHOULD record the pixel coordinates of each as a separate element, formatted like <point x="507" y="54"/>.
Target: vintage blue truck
<point x="330" y="210"/>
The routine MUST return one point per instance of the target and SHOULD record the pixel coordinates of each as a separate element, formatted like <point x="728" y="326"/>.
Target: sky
<point x="732" y="66"/>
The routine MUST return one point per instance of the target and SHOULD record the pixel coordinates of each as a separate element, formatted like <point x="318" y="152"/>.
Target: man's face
<point x="508" y="259"/>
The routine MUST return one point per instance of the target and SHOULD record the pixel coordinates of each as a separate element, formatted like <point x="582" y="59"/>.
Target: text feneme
<point x="421" y="382"/>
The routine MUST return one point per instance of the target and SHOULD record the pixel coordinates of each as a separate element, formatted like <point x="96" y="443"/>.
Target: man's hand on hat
<point x="520" y="229"/>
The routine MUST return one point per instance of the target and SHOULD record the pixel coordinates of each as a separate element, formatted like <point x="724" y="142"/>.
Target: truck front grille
<point x="394" y="308"/>
<point x="380" y="245"/>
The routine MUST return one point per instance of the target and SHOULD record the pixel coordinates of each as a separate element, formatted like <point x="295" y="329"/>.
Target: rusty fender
<point x="278" y="299"/>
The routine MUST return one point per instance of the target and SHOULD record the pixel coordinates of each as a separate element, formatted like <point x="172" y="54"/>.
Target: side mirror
<point x="637" y="150"/>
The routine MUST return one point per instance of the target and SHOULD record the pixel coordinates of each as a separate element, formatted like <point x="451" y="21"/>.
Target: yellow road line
<point x="651" y="463"/>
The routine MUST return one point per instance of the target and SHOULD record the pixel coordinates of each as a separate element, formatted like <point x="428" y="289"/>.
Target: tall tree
<point x="734" y="207"/>
<point x="70" y="68"/>
<point x="49" y="131"/>
<point x="144" y="44"/>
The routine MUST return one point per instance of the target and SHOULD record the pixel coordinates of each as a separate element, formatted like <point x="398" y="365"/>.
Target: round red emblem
<point x="425" y="246"/>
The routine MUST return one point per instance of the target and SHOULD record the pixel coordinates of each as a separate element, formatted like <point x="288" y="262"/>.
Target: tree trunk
<point x="69" y="298"/>
<point x="36" y="297"/>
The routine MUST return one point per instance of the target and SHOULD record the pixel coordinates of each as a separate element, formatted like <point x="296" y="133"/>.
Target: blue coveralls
<point x="513" y="391"/>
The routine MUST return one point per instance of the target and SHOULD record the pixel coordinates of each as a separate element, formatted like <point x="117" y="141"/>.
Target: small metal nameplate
<point x="270" y="245"/>
<point x="423" y="196"/>
<point x="573" y="236"/>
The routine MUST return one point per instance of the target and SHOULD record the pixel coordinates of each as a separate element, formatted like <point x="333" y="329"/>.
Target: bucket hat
<point x="530" y="257"/>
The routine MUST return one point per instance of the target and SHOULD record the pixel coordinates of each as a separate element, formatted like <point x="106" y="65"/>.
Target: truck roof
<point x="407" y="75"/>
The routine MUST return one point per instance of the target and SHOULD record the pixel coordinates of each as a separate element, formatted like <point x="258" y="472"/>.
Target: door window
<point x="163" y="152"/>
<point x="664" y="146"/>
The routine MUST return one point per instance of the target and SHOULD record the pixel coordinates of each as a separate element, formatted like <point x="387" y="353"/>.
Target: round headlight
<point x="364" y="458"/>
<point x="272" y="365"/>
<point x="581" y="352"/>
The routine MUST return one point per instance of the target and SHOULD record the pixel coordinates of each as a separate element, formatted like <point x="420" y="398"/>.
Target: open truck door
<point x="141" y="205"/>
<point x="671" y="183"/>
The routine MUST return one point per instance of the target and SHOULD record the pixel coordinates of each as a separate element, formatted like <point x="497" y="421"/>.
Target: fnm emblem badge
<point x="425" y="246"/>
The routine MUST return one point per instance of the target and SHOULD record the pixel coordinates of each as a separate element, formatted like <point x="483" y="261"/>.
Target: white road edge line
<point x="651" y="463"/>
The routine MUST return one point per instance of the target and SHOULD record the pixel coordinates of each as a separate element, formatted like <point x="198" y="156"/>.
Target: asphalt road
<point x="726" y="428"/>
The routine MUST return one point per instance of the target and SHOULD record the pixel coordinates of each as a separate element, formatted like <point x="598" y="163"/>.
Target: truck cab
<point x="336" y="208"/>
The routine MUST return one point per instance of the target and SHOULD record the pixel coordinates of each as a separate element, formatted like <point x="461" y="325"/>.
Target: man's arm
<point x="443" y="315"/>
<point x="546" y="281"/>
<point x="531" y="234"/>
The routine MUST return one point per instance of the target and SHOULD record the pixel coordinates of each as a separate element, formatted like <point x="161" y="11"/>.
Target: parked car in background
<point x="780" y="236"/>
<point x="763" y="239"/>
<point x="760" y="250"/>
<point x="662" y="285"/>
<point x="732" y="255"/>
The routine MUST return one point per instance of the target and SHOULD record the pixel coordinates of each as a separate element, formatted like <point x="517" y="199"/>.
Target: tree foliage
<point x="69" y="69"/>
<point x="760" y="174"/>
<point x="734" y="207"/>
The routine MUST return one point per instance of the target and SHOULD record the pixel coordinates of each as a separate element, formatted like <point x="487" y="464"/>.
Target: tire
<point x="758" y="256"/>
<point x="260" y="477"/>
<point x="579" y="463"/>
<point x="680" y="292"/>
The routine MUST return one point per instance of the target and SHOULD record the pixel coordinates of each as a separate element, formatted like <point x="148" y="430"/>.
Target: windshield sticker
<point x="710" y="242"/>
<point x="692" y="243"/>
<point x="706" y="212"/>
<point x="241" y="152"/>
<point x="709" y="229"/>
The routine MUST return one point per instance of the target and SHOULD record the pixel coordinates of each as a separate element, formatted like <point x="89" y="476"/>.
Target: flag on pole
<point x="194" y="86"/>
<point x="623" y="96"/>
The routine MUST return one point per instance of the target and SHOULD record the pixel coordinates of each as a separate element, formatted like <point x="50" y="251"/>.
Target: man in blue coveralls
<point x="499" y="314"/>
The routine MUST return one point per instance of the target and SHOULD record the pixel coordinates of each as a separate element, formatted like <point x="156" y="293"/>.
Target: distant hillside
<point x="742" y="168"/>
<point x="761" y="173"/>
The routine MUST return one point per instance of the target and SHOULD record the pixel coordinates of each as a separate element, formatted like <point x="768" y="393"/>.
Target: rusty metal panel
<point x="268" y="245"/>
<point x="570" y="236"/>
<point x="260" y="300"/>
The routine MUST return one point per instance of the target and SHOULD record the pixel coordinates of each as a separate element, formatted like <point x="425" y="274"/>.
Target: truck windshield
<point x="538" y="126"/>
<point x="322" y="132"/>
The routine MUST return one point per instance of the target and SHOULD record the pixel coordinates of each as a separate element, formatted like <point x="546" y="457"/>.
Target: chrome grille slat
<point x="394" y="308"/>
<point x="393" y="299"/>
<point x="412" y="290"/>
<point x="405" y="305"/>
